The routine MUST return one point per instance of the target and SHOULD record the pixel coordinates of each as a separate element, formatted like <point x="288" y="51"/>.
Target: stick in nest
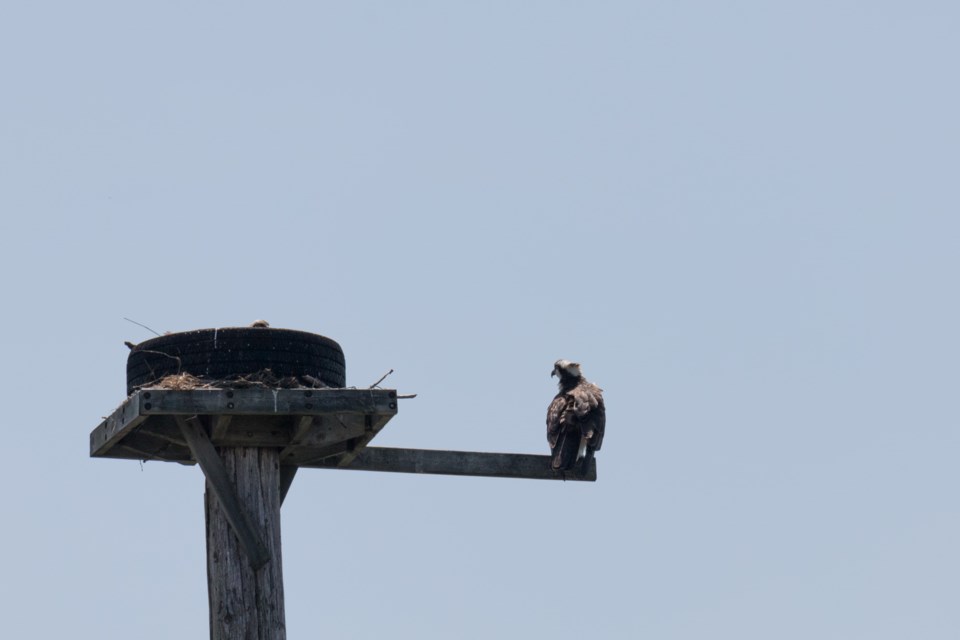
<point x="263" y="379"/>
<point x="139" y="324"/>
<point x="376" y="384"/>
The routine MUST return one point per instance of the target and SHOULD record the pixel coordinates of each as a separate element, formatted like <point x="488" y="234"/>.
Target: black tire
<point x="229" y="352"/>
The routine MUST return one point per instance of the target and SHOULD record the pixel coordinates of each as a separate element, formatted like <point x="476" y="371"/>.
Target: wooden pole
<point x="223" y="486"/>
<point x="246" y="603"/>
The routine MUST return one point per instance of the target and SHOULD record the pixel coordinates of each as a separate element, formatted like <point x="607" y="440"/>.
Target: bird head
<point x="566" y="369"/>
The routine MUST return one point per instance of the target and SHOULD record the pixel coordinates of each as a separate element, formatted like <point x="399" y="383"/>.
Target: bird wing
<point x="555" y="421"/>
<point x="590" y="412"/>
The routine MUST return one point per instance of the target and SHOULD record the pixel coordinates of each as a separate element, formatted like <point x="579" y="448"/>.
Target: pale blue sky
<point x="741" y="218"/>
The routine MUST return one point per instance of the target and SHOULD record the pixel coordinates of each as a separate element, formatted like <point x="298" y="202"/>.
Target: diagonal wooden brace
<point x="286" y="479"/>
<point x="209" y="460"/>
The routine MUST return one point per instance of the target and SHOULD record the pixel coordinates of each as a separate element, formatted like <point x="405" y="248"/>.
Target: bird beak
<point x="553" y="373"/>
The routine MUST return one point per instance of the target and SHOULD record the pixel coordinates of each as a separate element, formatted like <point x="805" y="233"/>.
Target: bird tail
<point x="587" y="459"/>
<point x="565" y="453"/>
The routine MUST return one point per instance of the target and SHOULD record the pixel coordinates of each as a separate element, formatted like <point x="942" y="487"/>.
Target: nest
<point x="263" y="379"/>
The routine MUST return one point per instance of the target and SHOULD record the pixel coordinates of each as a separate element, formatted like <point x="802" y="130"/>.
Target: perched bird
<point x="575" y="418"/>
<point x="260" y="323"/>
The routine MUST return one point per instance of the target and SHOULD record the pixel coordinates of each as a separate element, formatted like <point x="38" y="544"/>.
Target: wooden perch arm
<point x="459" y="463"/>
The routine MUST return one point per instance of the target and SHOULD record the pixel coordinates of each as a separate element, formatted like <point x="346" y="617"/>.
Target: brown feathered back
<point x="577" y="414"/>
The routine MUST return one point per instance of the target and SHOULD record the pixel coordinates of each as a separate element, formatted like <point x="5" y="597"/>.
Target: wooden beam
<point x="219" y="483"/>
<point x="258" y="401"/>
<point x="326" y="431"/>
<point x="250" y="431"/>
<point x="458" y="463"/>
<point x="139" y="453"/>
<point x="287" y="474"/>
<point x="116" y="426"/>
<point x="372" y="427"/>
<point x="313" y="458"/>
<point x="302" y="426"/>
<point x="220" y="424"/>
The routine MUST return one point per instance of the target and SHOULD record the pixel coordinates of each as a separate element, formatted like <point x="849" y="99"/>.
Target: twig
<point x="316" y="383"/>
<point x="142" y="325"/>
<point x="407" y="396"/>
<point x="375" y="384"/>
<point x="161" y="353"/>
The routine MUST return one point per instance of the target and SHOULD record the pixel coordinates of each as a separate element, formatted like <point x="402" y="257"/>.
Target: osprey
<point x="575" y="418"/>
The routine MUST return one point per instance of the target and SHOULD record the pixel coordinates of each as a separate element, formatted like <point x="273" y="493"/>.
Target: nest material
<point x="263" y="379"/>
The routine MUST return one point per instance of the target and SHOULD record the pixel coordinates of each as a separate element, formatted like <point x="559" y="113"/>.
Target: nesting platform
<point x="312" y="428"/>
<point x="250" y="442"/>
<point x="308" y="425"/>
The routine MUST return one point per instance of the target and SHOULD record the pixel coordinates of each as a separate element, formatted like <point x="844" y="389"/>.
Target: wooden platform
<point x="317" y="428"/>
<point x="308" y="425"/>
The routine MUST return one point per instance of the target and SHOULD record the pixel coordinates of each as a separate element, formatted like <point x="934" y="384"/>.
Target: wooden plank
<point x="302" y="426"/>
<point x="220" y="484"/>
<point x="156" y="447"/>
<point x="457" y="463"/>
<point x="330" y="430"/>
<point x="116" y="426"/>
<point x="310" y="456"/>
<point x="253" y="431"/>
<point x="245" y="602"/>
<point x="160" y="436"/>
<point x="326" y="436"/>
<point x="131" y="451"/>
<point x="220" y="424"/>
<point x="250" y="417"/>
<point x="166" y="436"/>
<point x="267" y="401"/>
<point x="371" y="429"/>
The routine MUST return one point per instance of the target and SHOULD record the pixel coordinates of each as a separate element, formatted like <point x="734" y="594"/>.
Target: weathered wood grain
<point x="372" y="426"/>
<point x="328" y="430"/>
<point x="458" y="463"/>
<point x="302" y="426"/>
<point x="246" y="603"/>
<point x="118" y="424"/>
<point x="309" y="456"/>
<point x="258" y="401"/>
<point x="304" y="423"/>
<point x="221" y="423"/>
<point x="222" y="485"/>
<point x="252" y="431"/>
